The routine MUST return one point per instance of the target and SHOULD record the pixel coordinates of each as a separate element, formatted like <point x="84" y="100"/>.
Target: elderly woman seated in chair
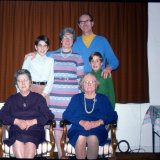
<point x="88" y="112"/>
<point x="26" y="112"/>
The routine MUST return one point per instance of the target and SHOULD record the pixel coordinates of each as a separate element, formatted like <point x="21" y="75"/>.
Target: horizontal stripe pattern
<point x="67" y="72"/>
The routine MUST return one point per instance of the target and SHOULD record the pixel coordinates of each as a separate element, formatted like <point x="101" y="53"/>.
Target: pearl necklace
<point x="94" y="101"/>
<point x="65" y="55"/>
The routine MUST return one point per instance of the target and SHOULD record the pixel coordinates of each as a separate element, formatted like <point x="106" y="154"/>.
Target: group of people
<point x="72" y="83"/>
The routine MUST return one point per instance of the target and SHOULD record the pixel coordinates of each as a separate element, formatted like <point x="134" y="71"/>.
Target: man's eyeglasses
<point x="86" y="21"/>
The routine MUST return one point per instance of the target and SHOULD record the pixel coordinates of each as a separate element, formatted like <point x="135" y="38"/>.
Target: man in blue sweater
<point x="89" y="42"/>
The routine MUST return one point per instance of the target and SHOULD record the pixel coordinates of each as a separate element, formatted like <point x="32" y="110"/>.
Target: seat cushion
<point x="43" y="148"/>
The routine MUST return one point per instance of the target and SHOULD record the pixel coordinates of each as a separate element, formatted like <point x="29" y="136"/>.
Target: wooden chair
<point x="45" y="149"/>
<point x="108" y="150"/>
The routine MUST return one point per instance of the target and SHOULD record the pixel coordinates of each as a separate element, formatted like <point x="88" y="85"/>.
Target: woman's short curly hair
<point x="20" y="72"/>
<point x="68" y="30"/>
<point x="81" y="83"/>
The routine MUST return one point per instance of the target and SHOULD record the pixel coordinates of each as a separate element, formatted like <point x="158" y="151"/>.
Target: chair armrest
<point x="113" y="127"/>
<point x="63" y="124"/>
<point x="52" y="124"/>
<point x="1" y="132"/>
<point x="114" y="123"/>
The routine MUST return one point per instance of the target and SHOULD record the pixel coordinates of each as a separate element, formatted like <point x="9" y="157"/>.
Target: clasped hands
<point x="88" y="125"/>
<point x="25" y="124"/>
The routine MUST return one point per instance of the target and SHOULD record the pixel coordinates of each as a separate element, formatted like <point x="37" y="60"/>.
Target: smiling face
<point x="96" y="63"/>
<point x="89" y="84"/>
<point x="67" y="41"/>
<point x="41" y="48"/>
<point x="86" y="24"/>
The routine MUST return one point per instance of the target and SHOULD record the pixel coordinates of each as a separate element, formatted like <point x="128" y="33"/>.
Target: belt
<point x="40" y="83"/>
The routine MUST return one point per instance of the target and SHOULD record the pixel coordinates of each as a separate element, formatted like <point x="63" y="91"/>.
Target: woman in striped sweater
<point x="68" y="70"/>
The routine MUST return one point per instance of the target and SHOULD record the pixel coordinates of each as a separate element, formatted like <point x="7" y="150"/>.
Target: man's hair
<point x="42" y="38"/>
<point x="86" y="14"/>
<point x="95" y="54"/>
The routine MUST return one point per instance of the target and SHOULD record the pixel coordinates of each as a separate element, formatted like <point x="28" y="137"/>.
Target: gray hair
<point x="20" y="72"/>
<point x="68" y="30"/>
<point x="81" y="83"/>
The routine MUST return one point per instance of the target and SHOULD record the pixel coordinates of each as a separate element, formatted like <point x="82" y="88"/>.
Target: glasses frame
<point x="89" y="82"/>
<point x="86" y="21"/>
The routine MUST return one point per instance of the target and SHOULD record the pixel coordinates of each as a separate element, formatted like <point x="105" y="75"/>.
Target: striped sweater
<point x="68" y="69"/>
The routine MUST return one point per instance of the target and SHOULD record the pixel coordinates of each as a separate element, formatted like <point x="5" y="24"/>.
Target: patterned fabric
<point x="68" y="69"/>
<point x="153" y="116"/>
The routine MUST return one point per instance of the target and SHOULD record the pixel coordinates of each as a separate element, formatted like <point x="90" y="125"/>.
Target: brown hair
<point x="95" y="54"/>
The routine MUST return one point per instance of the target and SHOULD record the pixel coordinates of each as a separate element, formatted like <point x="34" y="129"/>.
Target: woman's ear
<point x="16" y="85"/>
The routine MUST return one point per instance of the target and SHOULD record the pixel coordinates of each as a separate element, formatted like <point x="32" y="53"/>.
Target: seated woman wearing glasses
<point x="26" y="112"/>
<point x="88" y="112"/>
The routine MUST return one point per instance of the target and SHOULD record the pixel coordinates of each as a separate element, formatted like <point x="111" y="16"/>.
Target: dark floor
<point x="137" y="156"/>
<point x="125" y="156"/>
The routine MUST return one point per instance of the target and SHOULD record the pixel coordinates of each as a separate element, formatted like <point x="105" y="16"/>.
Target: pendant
<point x="24" y="105"/>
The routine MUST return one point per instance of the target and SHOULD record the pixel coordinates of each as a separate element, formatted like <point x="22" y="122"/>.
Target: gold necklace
<point x="94" y="101"/>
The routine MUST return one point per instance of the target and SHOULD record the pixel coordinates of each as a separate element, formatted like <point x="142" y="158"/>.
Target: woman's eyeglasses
<point x="89" y="82"/>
